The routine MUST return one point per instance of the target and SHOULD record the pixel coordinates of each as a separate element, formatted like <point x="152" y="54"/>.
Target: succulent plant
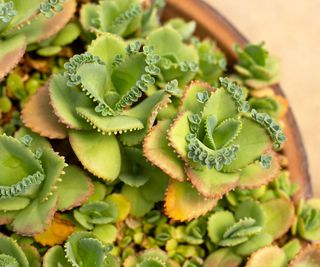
<point x="29" y="22"/>
<point x="35" y="183"/>
<point x="12" y="254"/>
<point x="210" y="143"/>
<point x="307" y="224"/>
<point x="82" y="249"/>
<point x="122" y="17"/>
<point x="256" y="66"/>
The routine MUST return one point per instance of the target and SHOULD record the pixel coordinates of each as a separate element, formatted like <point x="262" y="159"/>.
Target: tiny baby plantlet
<point x="30" y="22"/>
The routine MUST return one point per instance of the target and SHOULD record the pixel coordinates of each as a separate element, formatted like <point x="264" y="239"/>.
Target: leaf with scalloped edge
<point x="252" y="209"/>
<point x="253" y="141"/>
<point x="188" y="100"/>
<point x="113" y="124"/>
<point x="99" y="154"/>
<point x="55" y="257"/>
<point x="254" y="175"/>
<point x="107" y="46"/>
<point x="53" y="166"/>
<point x="41" y="28"/>
<point x="57" y="233"/>
<point x="74" y="189"/>
<point x="256" y="242"/>
<point x="224" y="257"/>
<point x="11" y="52"/>
<point x="184" y="203"/>
<point x="17" y="162"/>
<point x="307" y="257"/>
<point x="177" y="134"/>
<point x="38" y="115"/>
<point x="221" y="105"/>
<point x="10" y="247"/>
<point x="156" y="149"/>
<point x="279" y="215"/>
<point x="146" y="111"/>
<point x="226" y="132"/>
<point x="61" y="96"/>
<point x="82" y="249"/>
<point x="210" y="182"/>
<point x="218" y="223"/>
<point x="36" y="217"/>
<point x="271" y="256"/>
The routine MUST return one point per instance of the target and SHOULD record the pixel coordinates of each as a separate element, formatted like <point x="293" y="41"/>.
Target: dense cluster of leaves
<point x="161" y="159"/>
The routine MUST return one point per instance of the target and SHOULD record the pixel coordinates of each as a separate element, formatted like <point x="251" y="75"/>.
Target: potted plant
<point x="128" y="140"/>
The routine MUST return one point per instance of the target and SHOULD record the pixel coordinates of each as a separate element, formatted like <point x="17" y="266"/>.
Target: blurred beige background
<point x="291" y="29"/>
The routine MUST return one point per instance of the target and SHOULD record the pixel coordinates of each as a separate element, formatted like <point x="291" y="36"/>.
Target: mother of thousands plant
<point x="214" y="144"/>
<point x="35" y="183"/>
<point x="26" y="22"/>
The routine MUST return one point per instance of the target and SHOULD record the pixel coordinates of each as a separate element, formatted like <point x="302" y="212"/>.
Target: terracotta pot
<point x="210" y="23"/>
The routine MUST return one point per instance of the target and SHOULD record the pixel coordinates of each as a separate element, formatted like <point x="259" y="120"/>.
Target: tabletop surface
<point x="291" y="30"/>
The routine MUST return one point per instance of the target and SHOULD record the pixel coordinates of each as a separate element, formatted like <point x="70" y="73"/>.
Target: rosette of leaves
<point x="97" y="98"/>
<point x="35" y="182"/>
<point x="82" y="249"/>
<point x="256" y="66"/>
<point x="23" y="23"/>
<point x="126" y="18"/>
<point x="213" y="145"/>
<point x="307" y="224"/>
<point x="150" y="257"/>
<point x="212" y="62"/>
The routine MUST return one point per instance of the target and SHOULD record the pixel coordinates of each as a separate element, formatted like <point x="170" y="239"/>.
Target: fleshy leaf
<point x="184" y="203"/>
<point x="74" y="189"/>
<point x="38" y="115"/>
<point x="156" y="149"/>
<point x="122" y="204"/>
<point x="139" y="205"/>
<point x="98" y="153"/>
<point x="117" y="124"/>
<point x="57" y="233"/>
<point x="11" y="52"/>
<point x="223" y="258"/>
<point x="11" y="248"/>
<point x="218" y="223"/>
<point x="212" y="183"/>
<point x="254" y="243"/>
<point x="254" y="175"/>
<point x="36" y="217"/>
<point x="279" y="216"/>
<point x="61" y="96"/>
<point x="308" y="257"/>
<point x="55" y="257"/>
<point x="251" y="209"/>
<point x="268" y="257"/>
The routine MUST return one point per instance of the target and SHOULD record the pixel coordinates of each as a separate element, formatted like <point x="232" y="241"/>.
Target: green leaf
<point x="251" y="209"/>
<point x="117" y="124"/>
<point x="61" y="96"/>
<point x="279" y="216"/>
<point x="226" y="132"/>
<point x="184" y="203"/>
<point x="36" y="217"/>
<point x="11" y="52"/>
<point x="271" y="256"/>
<point x="253" y="244"/>
<point x="11" y="248"/>
<point x="253" y="141"/>
<point x="222" y="258"/>
<point x="55" y="257"/>
<point x="157" y="150"/>
<point x="107" y="233"/>
<point x="67" y="35"/>
<point x="98" y="153"/>
<point x="218" y="224"/>
<point x="49" y="51"/>
<point x="16" y="203"/>
<point x="74" y="189"/>
<point x="292" y="248"/>
<point x="32" y="255"/>
<point x="139" y="205"/>
<point x="212" y="183"/>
